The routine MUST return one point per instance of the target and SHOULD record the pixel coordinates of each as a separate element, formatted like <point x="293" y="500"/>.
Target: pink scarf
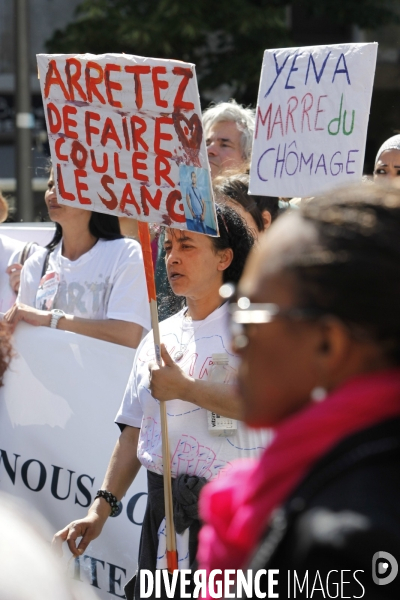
<point x="237" y="506"/>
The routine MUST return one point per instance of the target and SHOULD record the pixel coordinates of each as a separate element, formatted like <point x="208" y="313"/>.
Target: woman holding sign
<point x="194" y="338"/>
<point x="89" y="279"/>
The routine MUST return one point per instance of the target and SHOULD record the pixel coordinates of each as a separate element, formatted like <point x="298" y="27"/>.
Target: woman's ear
<point x="333" y="342"/>
<point x="225" y="258"/>
<point x="267" y="219"/>
<point x="338" y="355"/>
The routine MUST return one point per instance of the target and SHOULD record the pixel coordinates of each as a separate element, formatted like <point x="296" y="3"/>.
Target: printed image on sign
<point x="199" y="210"/>
<point x="312" y="118"/>
<point x="120" y="127"/>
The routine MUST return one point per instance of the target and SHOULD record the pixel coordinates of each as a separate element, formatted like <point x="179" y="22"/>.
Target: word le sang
<point x="98" y="118"/>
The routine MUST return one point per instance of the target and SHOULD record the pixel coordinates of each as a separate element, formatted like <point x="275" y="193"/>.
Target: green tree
<point x="224" y="38"/>
<point x="367" y="14"/>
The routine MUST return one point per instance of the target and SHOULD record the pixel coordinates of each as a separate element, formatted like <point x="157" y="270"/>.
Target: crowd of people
<point x="304" y="308"/>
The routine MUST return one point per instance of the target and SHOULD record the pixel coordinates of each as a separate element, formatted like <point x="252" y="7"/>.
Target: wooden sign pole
<point x="172" y="556"/>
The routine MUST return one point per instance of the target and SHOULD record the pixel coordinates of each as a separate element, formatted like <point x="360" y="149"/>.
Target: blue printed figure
<point x="196" y="205"/>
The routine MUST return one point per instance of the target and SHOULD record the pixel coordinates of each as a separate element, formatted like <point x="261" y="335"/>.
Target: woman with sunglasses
<point x="317" y="327"/>
<point x="88" y="280"/>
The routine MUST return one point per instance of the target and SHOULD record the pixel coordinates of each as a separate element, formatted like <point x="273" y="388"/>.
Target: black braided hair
<point x="233" y="233"/>
<point x="351" y="268"/>
<point x="101" y="226"/>
<point x="236" y="187"/>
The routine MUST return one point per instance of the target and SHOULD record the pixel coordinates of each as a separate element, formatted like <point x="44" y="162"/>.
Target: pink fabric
<point x="237" y="506"/>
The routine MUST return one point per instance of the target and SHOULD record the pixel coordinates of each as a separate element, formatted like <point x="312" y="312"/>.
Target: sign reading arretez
<point x="312" y="117"/>
<point x="121" y="129"/>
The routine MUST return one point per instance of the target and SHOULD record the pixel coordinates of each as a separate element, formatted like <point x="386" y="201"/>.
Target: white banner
<point x="126" y="137"/>
<point x="312" y="118"/>
<point x="57" y="433"/>
<point x="39" y="233"/>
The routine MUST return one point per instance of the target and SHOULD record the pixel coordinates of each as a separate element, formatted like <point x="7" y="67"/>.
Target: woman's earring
<point x="318" y="394"/>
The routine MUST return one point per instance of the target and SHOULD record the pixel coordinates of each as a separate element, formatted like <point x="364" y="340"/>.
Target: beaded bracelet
<point x="111" y="499"/>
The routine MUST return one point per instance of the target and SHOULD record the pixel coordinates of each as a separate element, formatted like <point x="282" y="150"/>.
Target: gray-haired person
<point x="228" y="130"/>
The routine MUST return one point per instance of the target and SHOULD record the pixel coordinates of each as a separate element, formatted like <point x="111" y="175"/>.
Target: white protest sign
<point x="126" y="137"/>
<point x="57" y="432"/>
<point x="312" y="117"/>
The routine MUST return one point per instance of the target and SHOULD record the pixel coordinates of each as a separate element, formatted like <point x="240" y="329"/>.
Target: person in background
<point x="257" y="211"/>
<point x="88" y="280"/>
<point x="13" y="254"/>
<point x="228" y="131"/>
<point x="317" y="328"/>
<point x="197" y="266"/>
<point x="387" y="162"/>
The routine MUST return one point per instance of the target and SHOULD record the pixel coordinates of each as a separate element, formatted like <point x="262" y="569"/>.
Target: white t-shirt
<point x="10" y="252"/>
<point x="193" y="449"/>
<point x="108" y="282"/>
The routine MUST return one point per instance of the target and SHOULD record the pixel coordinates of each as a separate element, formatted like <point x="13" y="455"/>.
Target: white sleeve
<point x="16" y="255"/>
<point x="128" y="299"/>
<point x="130" y="412"/>
<point x="30" y="277"/>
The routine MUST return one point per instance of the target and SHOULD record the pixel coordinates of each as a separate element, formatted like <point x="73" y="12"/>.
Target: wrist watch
<point x="56" y="315"/>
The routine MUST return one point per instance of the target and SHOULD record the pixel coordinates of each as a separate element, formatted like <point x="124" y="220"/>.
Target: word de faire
<point x="311" y="119"/>
<point x="119" y="128"/>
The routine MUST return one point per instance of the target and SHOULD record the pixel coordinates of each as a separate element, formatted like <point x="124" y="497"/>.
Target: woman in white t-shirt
<point x="197" y="266"/>
<point x="88" y="280"/>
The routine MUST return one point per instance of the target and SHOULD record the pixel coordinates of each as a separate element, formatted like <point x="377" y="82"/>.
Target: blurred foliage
<point x="224" y="38"/>
<point x="367" y="14"/>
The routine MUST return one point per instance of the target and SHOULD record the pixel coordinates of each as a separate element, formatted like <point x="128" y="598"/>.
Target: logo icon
<point x="384" y="568"/>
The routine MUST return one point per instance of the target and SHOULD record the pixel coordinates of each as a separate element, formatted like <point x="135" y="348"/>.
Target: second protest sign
<point x="312" y="118"/>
